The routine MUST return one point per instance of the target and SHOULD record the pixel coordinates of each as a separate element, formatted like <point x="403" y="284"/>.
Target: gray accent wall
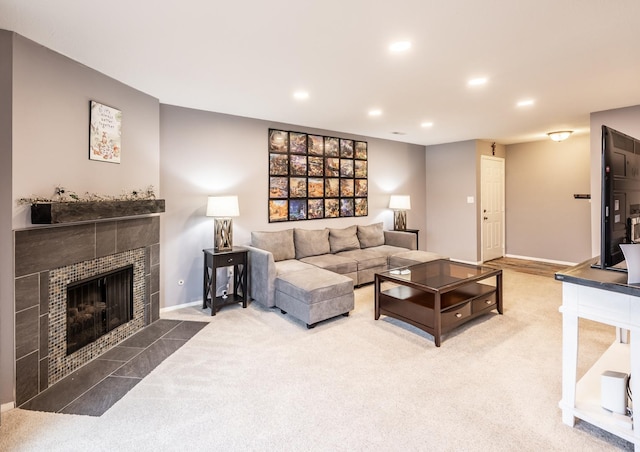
<point x="204" y="153"/>
<point x="625" y="120"/>
<point x="452" y="222"/>
<point x="51" y="95"/>
<point x="544" y="220"/>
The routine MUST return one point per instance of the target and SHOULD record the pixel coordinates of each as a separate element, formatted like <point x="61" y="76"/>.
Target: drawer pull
<point x="488" y="301"/>
<point x="458" y="315"/>
<point x="230" y="260"/>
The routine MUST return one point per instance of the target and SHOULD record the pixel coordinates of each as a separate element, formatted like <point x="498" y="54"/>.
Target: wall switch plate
<point x="470" y="199"/>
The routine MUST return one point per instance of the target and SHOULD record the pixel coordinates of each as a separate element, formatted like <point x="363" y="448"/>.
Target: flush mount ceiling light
<point x="560" y="135"/>
<point x="400" y="46"/>
<point x="375" y="112"/>
<point x="525" y="103"/>
<point x="301" y="95"/>
<point x="426" y="124"/>
<point x="478" y="81"/>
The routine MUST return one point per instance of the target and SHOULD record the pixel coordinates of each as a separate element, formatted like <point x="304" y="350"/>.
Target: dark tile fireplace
<point x="56" y="264"/>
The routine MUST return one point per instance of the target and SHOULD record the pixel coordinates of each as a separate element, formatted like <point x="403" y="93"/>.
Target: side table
<point x="238" y="293"/>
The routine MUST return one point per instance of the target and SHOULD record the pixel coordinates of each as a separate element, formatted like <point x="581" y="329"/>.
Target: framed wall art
<point x="105" y="133"/>
<point x="314" y="176"/>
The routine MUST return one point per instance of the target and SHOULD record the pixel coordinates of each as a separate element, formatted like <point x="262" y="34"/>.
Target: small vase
<point x="631" y="253"/>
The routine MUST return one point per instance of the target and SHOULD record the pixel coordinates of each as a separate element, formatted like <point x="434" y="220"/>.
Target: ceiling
<point x="247" y="58"/>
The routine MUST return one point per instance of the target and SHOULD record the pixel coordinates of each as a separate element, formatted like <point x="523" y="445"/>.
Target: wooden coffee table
<point x="438" y="296"/>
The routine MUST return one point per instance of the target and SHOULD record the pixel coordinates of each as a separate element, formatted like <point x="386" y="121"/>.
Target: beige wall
<point x="625" y="120"/>
<point x="6" y="236"/>
<point x="204" y="153"/>
<point x="543" y="219"/>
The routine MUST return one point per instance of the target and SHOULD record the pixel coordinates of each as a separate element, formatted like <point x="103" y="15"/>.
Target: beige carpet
<point x="257" y="380"/>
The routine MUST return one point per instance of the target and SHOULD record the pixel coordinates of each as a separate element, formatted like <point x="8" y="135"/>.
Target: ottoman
<point x="314" y="295"/>
<point x="412" y="257"/>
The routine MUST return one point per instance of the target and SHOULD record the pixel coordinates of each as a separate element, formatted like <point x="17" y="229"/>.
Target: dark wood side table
<point x="238" y="292"/>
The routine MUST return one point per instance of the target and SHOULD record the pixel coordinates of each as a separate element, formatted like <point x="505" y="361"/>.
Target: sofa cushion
<point x="370" y="235"/>
<point x="387" y="250"/>
<point x="311" y="242"/>
<point x="344" y="239"/>
<point x="278" y="243"/>
<point x="291" y="266"/>
<point x="314" y="286"/>
<point x="366" y="258"/>
<point x="333" y="262"/>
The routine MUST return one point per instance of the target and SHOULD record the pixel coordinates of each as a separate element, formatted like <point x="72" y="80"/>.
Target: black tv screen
<point x="620" y="211"/>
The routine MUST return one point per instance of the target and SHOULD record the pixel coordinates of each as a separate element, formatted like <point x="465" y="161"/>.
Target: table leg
<point x="377" y="297"/>
<point x="569" y="366"/>
<point x="437" y="318"/>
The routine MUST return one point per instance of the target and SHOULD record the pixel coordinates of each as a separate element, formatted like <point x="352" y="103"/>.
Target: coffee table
<point x="438" y="296"/>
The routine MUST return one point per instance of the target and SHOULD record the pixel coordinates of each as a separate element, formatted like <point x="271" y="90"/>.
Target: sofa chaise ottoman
<point x="314" y="295"/>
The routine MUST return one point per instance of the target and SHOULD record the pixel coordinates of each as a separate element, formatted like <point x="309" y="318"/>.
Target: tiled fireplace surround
<point x="81" y="247"/>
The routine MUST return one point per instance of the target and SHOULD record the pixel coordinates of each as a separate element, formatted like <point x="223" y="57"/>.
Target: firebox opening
<point x="98" y="305"/>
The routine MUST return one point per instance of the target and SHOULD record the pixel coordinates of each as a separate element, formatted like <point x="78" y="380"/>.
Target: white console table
<point x="602" y="296"/>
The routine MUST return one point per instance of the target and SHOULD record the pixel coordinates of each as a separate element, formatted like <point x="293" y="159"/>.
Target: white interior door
<point x="492" y="206"/>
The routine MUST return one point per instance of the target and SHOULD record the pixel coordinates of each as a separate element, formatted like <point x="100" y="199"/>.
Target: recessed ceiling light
<point x="526" y="103"/>
<point x="375" y="112"/>
<point x="399" y="133"/>
<point x="426" y="124"/>
<point x="477" y="81"/>
<point x="400" y="46"/>
<point x="301" y="95"/>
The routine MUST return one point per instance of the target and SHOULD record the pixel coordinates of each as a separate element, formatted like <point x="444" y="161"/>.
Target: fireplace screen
<point x="98" y="305"/>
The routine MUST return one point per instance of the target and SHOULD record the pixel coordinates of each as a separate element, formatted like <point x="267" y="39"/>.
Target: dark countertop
<point x="584" y="275"/>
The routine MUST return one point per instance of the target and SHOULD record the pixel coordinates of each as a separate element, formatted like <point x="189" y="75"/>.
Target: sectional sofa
<point x="311" y="273"/>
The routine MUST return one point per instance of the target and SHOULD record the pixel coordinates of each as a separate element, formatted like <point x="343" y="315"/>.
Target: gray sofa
<point x="311" y="273"/>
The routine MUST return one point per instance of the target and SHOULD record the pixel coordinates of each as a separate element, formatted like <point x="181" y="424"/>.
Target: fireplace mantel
<point x="71" y="212"/>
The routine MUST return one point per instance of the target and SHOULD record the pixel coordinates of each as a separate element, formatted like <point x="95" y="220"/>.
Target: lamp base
<point x="399" y="220"/>
<point x="223" y="240"/>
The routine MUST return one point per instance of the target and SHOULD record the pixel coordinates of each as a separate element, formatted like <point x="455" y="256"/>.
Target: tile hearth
<point x="92" y="389"/>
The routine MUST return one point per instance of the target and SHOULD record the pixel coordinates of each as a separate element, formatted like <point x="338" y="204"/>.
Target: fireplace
<point x="49" y="263"/>
<point x="98" y="305"/>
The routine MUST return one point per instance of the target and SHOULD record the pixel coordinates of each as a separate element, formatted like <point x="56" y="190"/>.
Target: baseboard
<point x="180" y="306"/>
<point x="7" y="407"/>
<point x="537" y="259"/>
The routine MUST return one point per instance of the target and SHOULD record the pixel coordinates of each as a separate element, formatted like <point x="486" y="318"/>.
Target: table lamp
<point x="222" y="208"/>
<point x="400" y="204"/>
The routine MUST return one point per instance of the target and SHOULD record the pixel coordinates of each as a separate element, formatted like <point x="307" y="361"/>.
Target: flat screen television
<point x="620" y="209"/>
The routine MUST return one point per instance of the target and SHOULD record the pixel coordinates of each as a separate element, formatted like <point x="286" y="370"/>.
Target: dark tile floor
<point x="96" y="386"/>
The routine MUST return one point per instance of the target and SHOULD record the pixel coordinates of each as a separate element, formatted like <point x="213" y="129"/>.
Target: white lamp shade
<point x="223" y="206"/>
<point x="400" y="202"/>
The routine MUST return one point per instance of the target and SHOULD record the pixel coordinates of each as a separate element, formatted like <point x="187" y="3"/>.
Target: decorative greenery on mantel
<point x="61" y="194"/>
<point x="67" y="207"/>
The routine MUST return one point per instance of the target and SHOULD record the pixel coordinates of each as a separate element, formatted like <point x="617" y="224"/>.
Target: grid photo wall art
<point x="314" y="176"/>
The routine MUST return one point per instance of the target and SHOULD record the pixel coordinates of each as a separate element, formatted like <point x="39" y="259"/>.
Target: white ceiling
<point x="247" y="58"/>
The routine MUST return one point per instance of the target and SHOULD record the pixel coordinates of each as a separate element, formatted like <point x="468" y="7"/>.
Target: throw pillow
<point x="343" y="239"/>
<point x="311" y="242"/>
<point x="371" y="235"/>
<point x="279" y="243"/>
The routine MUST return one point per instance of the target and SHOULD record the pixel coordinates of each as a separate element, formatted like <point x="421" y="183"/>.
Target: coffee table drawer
<point x="456" y="315"/>
<point x="487" y="302"/>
